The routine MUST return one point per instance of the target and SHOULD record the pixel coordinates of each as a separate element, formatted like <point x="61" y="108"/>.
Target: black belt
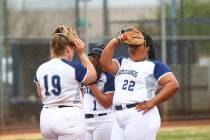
<point x="87" y="116"/>
<point x="126" y="106"/>
<point x="60" y="106"/>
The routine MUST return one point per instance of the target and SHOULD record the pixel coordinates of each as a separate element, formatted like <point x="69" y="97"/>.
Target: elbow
<point x="176" y="87"/>
<point x="94" y="76"/>
<point x="107" y="105"/>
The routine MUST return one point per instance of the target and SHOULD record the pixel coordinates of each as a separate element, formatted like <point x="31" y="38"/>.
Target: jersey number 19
<point x="55" y="84"/>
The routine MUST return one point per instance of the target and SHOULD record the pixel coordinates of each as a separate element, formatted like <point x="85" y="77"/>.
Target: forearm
<point x="87" y="63"/>
<point x="108" y="53"/>
<point x="104" y="99"/>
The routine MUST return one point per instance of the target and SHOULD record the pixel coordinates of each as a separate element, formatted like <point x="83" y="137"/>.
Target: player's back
<point x="59" y="82"/>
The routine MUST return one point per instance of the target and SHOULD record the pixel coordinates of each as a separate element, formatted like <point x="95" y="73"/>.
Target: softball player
<point x="58" y="84"/>
<point x="137" y="80"/>
<point x="98" y="100"/>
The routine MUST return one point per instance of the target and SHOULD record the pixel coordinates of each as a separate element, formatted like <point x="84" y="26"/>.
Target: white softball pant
<point x="67" y="123"/>
<point x="99" y="128"/>
<point x="133" y="125"/>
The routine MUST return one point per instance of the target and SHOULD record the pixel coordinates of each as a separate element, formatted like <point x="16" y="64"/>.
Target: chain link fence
<point x="25" y="45"/>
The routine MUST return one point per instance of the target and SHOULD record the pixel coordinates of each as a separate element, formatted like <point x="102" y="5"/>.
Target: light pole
<point x="3" y="14"/>
<point x="163" y="50"/>
<point x="173" y="49"/>
<point x="163" y="32"/>
<point x="106" y="31"/>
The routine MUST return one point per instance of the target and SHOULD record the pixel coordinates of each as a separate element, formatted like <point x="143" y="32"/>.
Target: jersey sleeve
<point x="80" y="72"/>
<point x="160" y="70"/>
<point x="109" y="85"/>
<point x="119" y="60"/>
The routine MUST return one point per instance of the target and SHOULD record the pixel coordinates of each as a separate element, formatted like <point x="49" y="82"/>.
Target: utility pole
<point x="183" y="62"/>
<point x="3" y="14"/>
<point x="85" y="7"/>
<point x="163" y="31"/>
<point x="173" y="32"/>
<point x="106" y="31"/>
<point x="163" y="50"/>
<point x="77" y="13"/>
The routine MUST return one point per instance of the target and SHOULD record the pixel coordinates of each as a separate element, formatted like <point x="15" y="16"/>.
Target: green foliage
<point x="195" y="10"/>
<point x="192" y="9"/>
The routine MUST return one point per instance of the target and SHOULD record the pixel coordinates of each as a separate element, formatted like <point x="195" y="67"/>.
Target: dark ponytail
<point x="149" y="43"/>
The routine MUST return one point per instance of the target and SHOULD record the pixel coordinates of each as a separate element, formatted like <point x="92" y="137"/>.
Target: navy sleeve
<point x="109" y="85"/>
<point x="160" y="69"/>
<point x="80" y="70"/>
<point x="119" y="60"/>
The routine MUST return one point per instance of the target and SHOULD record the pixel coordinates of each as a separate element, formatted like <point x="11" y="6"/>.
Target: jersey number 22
<point x="128" y="85"/>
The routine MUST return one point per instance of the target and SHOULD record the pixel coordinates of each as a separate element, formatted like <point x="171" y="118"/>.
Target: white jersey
<point x="104" y="84"/>
<point x="60" y="82"/>
<point x="137" y="81"/>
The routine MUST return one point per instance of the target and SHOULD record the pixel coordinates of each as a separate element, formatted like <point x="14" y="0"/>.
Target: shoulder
<point x="73" y="64"/>
<point x="79" y="69"/>
<point x="159" y="64"/>
<point x="41" y="70"/>
<point x="108" y="75"/>
<point x="109" y="83"/>
<point x="160" y="69"/>
<point x="156" y="63"/>
<point x="44" y="65"/>
<point x="120" y="60"/>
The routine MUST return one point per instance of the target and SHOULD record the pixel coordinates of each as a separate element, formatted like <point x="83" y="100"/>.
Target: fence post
<point x="3" y="14"/>
<point x="163" y="50"/>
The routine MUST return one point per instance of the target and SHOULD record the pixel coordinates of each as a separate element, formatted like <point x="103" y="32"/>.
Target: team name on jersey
<point x="87" y="90"/>
<point x="130" y="72"/>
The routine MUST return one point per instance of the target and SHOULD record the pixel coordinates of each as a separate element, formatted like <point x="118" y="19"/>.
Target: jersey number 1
<point x="94" y="103"/>
<point x="55" y="84"/>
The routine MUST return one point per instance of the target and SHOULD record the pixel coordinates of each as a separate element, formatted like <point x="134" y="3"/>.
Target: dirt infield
<point x="34" y="134"/>
<point x="24" y="136"/>
<point x="186" y="123"/>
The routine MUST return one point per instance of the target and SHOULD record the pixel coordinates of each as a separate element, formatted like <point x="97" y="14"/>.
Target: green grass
<point x="166" y="133"/>
<point x="185" y="133"/>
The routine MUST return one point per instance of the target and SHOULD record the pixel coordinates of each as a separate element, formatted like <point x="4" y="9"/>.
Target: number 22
<point x="128" y="85"/>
